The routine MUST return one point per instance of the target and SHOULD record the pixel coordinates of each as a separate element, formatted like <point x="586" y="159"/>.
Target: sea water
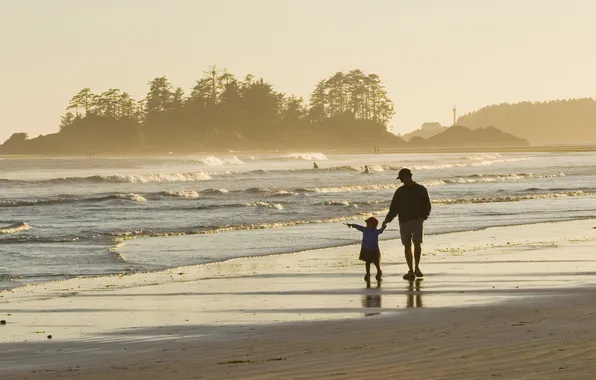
<point x="69" y="217"/>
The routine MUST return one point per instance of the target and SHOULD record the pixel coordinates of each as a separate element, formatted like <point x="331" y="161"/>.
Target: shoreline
<point x="397" y="150"/>
<point x="215" y="262"/>
<point x="289" y="304"/>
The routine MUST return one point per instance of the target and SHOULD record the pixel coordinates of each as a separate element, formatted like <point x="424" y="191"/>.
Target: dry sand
<point x="511" y="302"/>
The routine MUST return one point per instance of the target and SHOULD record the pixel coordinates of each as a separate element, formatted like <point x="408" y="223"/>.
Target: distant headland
<point x="347" y="111"/>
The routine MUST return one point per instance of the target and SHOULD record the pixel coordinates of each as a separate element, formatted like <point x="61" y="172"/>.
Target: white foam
<point x="15" y="227"/>
<point x="481" y="157"/>
<point x="512" y="198"/>
<point x="481" y="178"/>
<point x="131" y="197"/>
<point x="216" y="161"/>
<point x="161" y="177"/>
<point x="345" y="189"/>
<point x="264" y="204"/>
<point x="313" y="156"/>
<point x="181" y="194"/>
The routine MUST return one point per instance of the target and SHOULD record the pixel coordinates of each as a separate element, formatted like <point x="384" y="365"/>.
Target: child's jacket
<point x="370" y="236"/>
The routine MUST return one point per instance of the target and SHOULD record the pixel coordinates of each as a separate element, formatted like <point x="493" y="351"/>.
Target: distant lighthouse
<point x="454" y="115"/>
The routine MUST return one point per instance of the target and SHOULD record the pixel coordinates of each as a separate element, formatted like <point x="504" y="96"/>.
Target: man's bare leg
<point x="417" y="256"/>
<point x="409" y="260"/>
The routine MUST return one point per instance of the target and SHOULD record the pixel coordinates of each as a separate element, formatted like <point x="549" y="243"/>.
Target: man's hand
<point x="384" y="223"/>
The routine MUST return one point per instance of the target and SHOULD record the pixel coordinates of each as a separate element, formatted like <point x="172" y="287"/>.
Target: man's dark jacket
<point x="410" y="203"/>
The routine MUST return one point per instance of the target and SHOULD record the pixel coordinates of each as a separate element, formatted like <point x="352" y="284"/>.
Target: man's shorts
<point x="411" y="231"/>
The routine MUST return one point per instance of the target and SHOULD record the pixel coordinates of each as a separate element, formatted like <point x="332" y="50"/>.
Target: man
<point x="412" y="204"/>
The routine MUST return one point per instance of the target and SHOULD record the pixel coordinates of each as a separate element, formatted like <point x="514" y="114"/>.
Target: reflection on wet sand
<point x="371" y="300"/>
<point x="414" y="295"/>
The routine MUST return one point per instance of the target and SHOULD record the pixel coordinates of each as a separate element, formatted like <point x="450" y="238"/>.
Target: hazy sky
<point x="430" y="54"/>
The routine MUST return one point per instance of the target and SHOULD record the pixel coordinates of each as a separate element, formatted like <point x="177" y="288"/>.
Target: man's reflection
<point x="371" y="300"/>
<point x="414" y="294"/>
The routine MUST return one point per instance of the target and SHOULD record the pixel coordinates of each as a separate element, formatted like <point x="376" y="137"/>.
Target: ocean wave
<point x="481" y="157"/>
<point x="479" y="178"/>
<point x="71" y="199"/>
<point x="346" y="203"/>
<point x="216" y="161"/>
<point x="283" y="193"/>
<point x="337" y="203"/>
<point x="180" y="194"/>
<point x="33" y="202"/>
<point x="311" y="156"/>
<point x="241" y="227"/>
<point x="128" y="197"/>
<point x="264" y="204"/>
<point x="472" y="162"/>
<point x="15" y="227"/>
<point x="511" y="198"/>
<point x="345" y="189"/>
<point x="215" y="191"/>
<point x="150" y="178"/>
<point x="125" y="178"/>
<point x="259" y="190"/>
<point x="12" y="239"/>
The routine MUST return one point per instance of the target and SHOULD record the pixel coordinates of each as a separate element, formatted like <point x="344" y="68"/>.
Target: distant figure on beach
<point x="314" y="165"/>
<point x="366" y="171"/>
<point x="369" y="251"/>
<point x="412" y="204"/>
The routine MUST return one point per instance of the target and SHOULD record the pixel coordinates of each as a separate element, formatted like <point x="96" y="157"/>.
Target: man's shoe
<point x="418" y="273"/>
<point x="409" y="276"/>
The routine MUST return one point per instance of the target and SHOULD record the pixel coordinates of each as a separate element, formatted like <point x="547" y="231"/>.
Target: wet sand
<point x="510" y="302"/>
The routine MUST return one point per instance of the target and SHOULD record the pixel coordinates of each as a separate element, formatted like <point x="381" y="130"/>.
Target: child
<point x="370" y="253"/>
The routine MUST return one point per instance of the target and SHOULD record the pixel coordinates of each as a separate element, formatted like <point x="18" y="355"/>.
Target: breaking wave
<point x="312" y="156"/>
<point x="149" y="178"/>
<point x="215" y="191"/>
<point x="345" y="189"/>
<point x="264" y="204"/>
<point x="12" y="239"/>
<point x="215" y="161"/>
<point x="65" y="200"/>
<point x="477" y="178"/>
<point x="15" y="227"/>
<point x="123" y="178"/>
<point x="512" y="198"/>
<point x="471" y="161"/>
<point x="240" y="227"/>
<point x="129" y="197"/>
<point x="180" y="194"/>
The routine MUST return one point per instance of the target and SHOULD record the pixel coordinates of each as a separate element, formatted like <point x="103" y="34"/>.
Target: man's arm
<point x="426" y="206"/>
<point x="393" y="209"/>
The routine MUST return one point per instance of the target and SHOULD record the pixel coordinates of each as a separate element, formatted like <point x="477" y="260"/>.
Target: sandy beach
<point x="514" y="302"/>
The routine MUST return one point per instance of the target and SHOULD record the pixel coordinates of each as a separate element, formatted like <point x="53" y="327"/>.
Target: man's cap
<point x="404" y="173"/>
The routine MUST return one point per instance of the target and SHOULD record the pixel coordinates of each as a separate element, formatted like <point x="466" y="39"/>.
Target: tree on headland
<point x="355" y="93"/>
<point x="223" y="112"/>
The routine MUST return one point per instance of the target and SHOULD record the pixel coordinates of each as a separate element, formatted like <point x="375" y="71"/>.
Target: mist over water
<point x="64" y="217"/>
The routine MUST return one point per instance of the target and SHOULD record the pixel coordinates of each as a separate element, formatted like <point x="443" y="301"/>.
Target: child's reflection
<point x="371" y="300"/>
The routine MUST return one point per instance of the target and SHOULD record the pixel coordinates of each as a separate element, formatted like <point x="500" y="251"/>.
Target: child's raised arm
<point x="380" y="230"/>
<point x="356" y="226"/>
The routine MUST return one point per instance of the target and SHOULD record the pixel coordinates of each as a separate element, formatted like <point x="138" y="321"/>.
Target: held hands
<point x="384" y="223"/>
